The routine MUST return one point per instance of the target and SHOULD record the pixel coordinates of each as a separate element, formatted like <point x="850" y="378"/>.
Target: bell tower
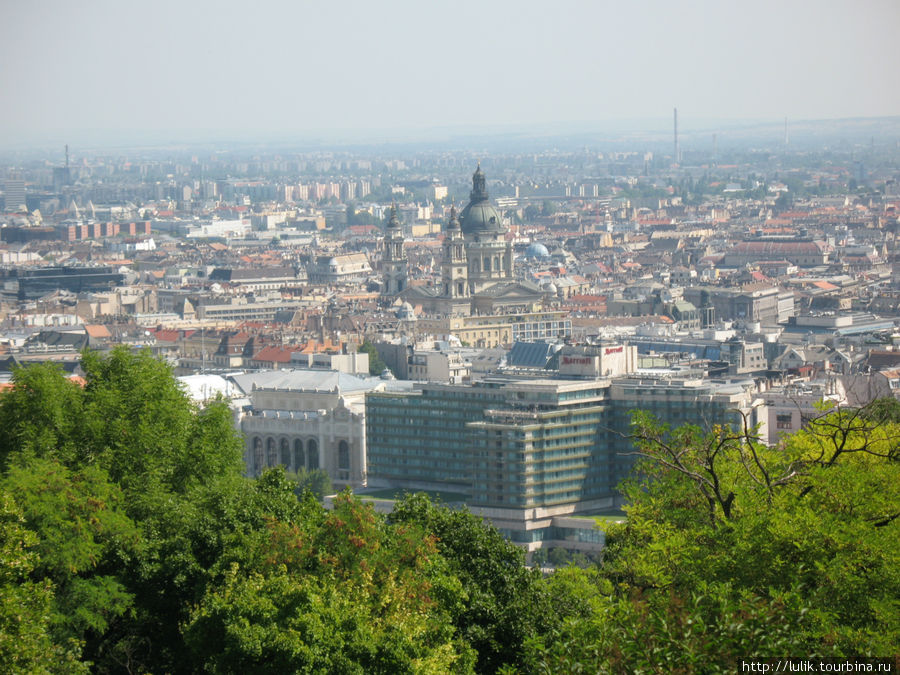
<point x="454" y="268"/>
<point x="394" y="264"/>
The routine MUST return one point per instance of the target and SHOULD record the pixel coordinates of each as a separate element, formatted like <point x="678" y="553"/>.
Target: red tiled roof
<point x="316" y="347"/>
<point x="97" y="331"/>
<point x="275" y="354"/>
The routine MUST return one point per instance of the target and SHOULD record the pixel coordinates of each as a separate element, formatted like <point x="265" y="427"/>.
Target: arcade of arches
<point x="267" y="451"/>
<point x="270" y="451"/>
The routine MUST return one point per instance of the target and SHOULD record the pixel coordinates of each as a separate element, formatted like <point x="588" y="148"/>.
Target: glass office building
<point x="506" y="443"/>
<point x="531" y="453"/>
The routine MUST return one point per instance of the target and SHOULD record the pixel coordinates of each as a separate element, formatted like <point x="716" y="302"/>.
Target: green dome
<point x="480" y="215"/>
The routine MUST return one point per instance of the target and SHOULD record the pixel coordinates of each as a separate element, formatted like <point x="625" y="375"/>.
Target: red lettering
<point x="582" y="361"/>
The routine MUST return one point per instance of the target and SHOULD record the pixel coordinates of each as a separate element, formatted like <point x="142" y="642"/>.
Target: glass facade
<point x="515" y="445"/>
<point x="421" y="436"/>
<point x="527" y="443"/>
<point x="553" y="454"/>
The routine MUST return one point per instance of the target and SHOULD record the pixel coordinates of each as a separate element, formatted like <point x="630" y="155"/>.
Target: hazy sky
<point x="258" y="68"/>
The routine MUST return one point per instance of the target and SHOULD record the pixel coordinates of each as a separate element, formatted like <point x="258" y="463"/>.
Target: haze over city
<point x="117" y="73"/>
<point x="473" y="338"/>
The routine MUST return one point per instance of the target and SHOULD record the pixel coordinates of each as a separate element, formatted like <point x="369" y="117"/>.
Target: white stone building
<point x="306" y="419"/>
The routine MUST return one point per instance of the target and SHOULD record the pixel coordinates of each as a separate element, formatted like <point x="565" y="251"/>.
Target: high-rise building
<point x="528" y="452"/>
<point x="14" y="194"/>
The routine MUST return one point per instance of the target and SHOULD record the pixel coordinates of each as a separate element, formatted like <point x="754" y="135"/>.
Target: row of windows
<point x="272" y="453"/>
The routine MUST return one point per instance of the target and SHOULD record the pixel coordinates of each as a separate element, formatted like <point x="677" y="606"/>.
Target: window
<point x="285" y="453"/>
<point x="299" y="459"/>
<point x="271" y="454"/>
<point x="784" y="421"/>
<point x="312" y="454"/>
<point x="343" y="456"/>
<point x="257" y="455"/>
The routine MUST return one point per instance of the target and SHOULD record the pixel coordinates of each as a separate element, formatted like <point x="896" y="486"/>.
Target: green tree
<point x="26" y="605"/>
<point x="113" y="479"/>
<point x="814" y="517"/>
<point x="502" y="603"/>
<point x="316" y="481"/>
<point x="733" y="549"/>
<point x="336" y="592"/>
<point x="376" y="365"/>
<point x="142" y="427"/>
<point x="704" y="630"/>
<point x="84" y="538"/>
<point x="558" y="557"/>
<point x="41" y="415"/>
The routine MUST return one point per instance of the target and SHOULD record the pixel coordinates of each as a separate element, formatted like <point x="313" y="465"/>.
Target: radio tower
<point x="675" y="159"/>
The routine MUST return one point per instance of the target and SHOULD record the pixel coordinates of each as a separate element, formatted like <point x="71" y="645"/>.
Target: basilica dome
<point x="480" y="215"/>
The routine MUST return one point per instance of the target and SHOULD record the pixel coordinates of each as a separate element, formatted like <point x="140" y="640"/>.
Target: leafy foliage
<point x="798" y="541"/>
<point x="85" y="537"/>
<point x="26" y="643"/>
<point x="105" y="474"/>
<point x="376" y="364"/>
<point x="131" y="541"/>
<point x="335" y="593"/>
<point x="316" y="481"/>
<point x="41" y="415"/>
<point x="502" y="602"/>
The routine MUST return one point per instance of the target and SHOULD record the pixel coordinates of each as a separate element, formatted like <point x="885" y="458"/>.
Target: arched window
<point x="343" y="456"/>
<point x="299" y="459"/>
<point x="487" y="263"/>
<point x="257" y="465"/>
<point x="312" y="454"/>
<point x="497" y="262"/>
<point x="285" y="453"/>
<point x="271" y="453"/>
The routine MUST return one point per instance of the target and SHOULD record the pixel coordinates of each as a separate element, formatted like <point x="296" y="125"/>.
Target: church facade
<point x="477" y="270"/>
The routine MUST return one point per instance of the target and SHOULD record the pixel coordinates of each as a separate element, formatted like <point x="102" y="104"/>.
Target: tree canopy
<point x="732" y="549"/>
<point x="376" y="364"/>
<point x="130" y="540"/>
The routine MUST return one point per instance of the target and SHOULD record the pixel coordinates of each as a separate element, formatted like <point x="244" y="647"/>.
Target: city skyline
<point x="114" y="73"/>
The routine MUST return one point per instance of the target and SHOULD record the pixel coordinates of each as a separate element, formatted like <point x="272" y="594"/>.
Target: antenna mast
<point x="675" y="159"/>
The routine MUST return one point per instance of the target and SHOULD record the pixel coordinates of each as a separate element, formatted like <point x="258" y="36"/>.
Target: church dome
<point x="480" y="215"/>
<point x="536" y="250"/>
